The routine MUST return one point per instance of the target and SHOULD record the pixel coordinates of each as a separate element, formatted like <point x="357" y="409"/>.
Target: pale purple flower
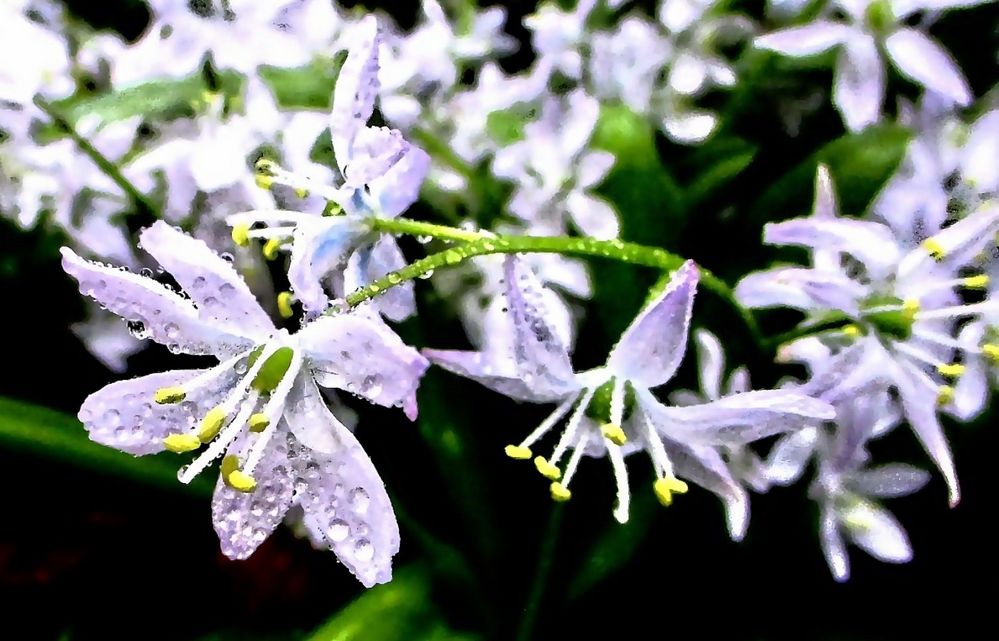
<point x="904" y="308"/>
<point x="36" y="55"/>
<point x="626" y="63"/>
<point x="529" y="362"/>
<point x="558" y="37"/>
<point x="260" y="409"/>
<point x="871" y="27"/>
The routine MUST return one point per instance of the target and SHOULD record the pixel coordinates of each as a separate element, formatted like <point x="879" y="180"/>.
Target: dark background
<point x="84" y="555"/>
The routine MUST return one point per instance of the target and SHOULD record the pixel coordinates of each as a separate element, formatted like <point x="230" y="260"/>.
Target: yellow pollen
<point x="945" y="395"/>
<point x="951" y="370"/>
<point x="547" y="470"/>
<point x="301" y="192"/>
<point x="271" y="248"/>
<point x="613" y="433"/>
<point x="981" y="281"/>
<point x="211" y="424"/>
<point x="910" y="307"/>
<point x="230" y="463"/>
<point x="264" y="182"/>
<point x="560" y="492"/>
<point x="934" y="248"/>
<point x="181" y="443"/>
<point x="851" y="330"/>
<point x="284" y="305"/>
<point x="265" y="166"/>
<point x="241" y="234"/>
<point x="991" y="351"/>
<point x="518" y="452"/>
<point x="168" y="395"/>
<point x="241" y="481"/>
<point x="258" y="422"/>
<point x="666" y="487"/>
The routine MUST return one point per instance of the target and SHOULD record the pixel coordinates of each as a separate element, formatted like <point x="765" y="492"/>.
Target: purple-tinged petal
<point x="651" y="349"/>
<point x="800" y="288"/>
<point x="399" y="187"/>
<point x="365" y="266"/>
<point x="710" y="363"/>
<point x="592" y="216"/>
<point x="320" y="245"/>
<point x="345" y="500"/>
<point x="790" y="455"/>
<point x="375" y="151"/>
<point x="735" y="420"/>
<point x="859" y="83"/>
<point x="220" y="294"/>
<point x="965" y="239"/>
<point x="844" y="375"/>
<point x="356" y="89"/>
<point x="806" y="40"/>
<point x="244" y="520"/>
<point x="971" y="391"/>
<point x="593" y="167"/>
<point x="125" y="415"/>
<point x="923" y="60"/>
<point x="890" y="481"/>
<point x="362" y="355"/>
<point x="705" y="467"/>
<point x="495" y="372"/>
<point x="168" y="318"/>
<point x="541" y="358"/>
<point x="309" y="418"/>
<point x="871" y="243"/>
<point x="833" y="546"/>
<point x="876" y="531"/>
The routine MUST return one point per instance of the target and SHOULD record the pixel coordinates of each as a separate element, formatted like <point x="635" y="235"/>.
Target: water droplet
<point x="172" y="331"/>
<point x="111" y="418"/>
<point x="181" y="471"/>
<point x="363" y="550"/>
<point x="227" y="257"/>
<point x="199" y="282"/>
<point x="423" y="240"/>
<point x="427" y="274"/>
<point x="452" y="257"/>
<point x="145" y="271"/>
<point x="394" y="278"/>
<point x="360" y="500"/>
<point x="226" y="290"/>
<point x="137" y="329"/>
<point x="338" y="531"/>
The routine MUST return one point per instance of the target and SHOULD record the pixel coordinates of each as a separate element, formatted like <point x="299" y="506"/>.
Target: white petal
<point x="789" y="455"/>
<point x="890" y="481"/>
<point x="593" y="216"/>
<point x="710" y="363"/>
<point x="923" y="60"/>
<point x="805" y="40"/>
<point x="859" y="82"/>
<point x="876" y="531"/>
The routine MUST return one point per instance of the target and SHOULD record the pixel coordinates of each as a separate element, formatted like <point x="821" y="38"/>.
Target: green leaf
<point x="718" y="163"/>
<point x="48" y="433"/>
<point x="306" y="87"/>
<point x="401" y="610"/>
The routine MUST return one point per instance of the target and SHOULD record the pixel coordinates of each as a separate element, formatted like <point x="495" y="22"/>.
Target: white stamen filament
<point x="656" y="449"/>
<point x="572" y="427"/>
<point x="945" y="341"/>
<point x="222" y="441"/>
<point x="617" y="403"/>
<point x="270" y="218"/>
<point x="623" y="506"/>
<point x="214" y="373"/>
<point x="273" y="410"/>
<point x="958" y="311"/>
<point x="577" y="455"/>
<point x="550" y="422"/>
<point x="918" y="354"/>
<point x="266" y="233"/>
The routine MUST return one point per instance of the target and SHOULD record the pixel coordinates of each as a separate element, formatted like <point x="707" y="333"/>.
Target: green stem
<point x="545" y="561"/>
<point x="834" y="322"/>
<point x="110" y="169"/>
<point x="481" y="244"/>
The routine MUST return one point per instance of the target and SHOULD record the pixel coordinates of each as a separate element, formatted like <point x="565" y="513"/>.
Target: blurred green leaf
<point x="401" y="610"/>
<point x="52" y="434"/>
<point x="306" y="87"/>
<point x="718" y="163"/>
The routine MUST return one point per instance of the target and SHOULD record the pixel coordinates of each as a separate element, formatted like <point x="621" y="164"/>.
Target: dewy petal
<point x="319" y="247"/>
<point x="800" y="288"/>
<point x="124" y="415"/>
<point x="805" y="40"/>
<point x="375" y="151"/>
<point x="244" y="520"/>
<point x="345" y="500"/>
<point x="168" y="318"/>
<point x="494" y="371"/>
<point x="789" y="455"/>
<point x="651" y="349"/>
<point x="365" y="266"/>
<point x="593" y="216"/>
<point x="540" y="357"/>
<point x="710" y="363"/>
<point x="309" y="418"/>
<point x="362" y="355"/>
<point x="220" y="294"/>
<point x="735" y="420"/>
<point x="859" y="82"/>
<point x="921" y="59"/>
<point x="870" y="242"/>
<point x="890" y="481"/>
<point x="356" y="89"/>
<point x="833" y="546"/>
<point x="399" y="187"/>
<point x="874" y="529"/>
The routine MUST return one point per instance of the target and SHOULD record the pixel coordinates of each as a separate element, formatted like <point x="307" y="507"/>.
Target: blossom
<point x="382" y="173"/>
<point x="846" y="486"/>
<point x="897" y="311"/>
<point x="260" y="409"/>
<point x="611" y="409"/>
<point x="870" y="27"/>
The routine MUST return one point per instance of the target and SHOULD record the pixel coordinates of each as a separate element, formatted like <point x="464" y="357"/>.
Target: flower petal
<point x="790" y="455"/>
<point x="309" y="418"/>
<point x="345" y="500"/>
<point x="806" y="40"/>
<point x="360" y="354"/>
<point x="890" y="481"/>
<point x="871" y="243"/>
<point x="593" y="216"/>
<point x="710" y="363"/>
<point x="244" y="520"/>
<point x="921" y="59"/>
<point x="399" y="187"/>
<point x="495" y="372"/>
<point x="874" y="529"/>
<point x="220" y="294"/>
<point x="593" y="167"/>
<point x="168" y="318"/>
<point x="859" y="82"/>
<point x="651" y="349"/>
<point x="801" y="288"/>
<point x="320" y="246"/>
<point x="356" y="89"/>
<point x="365" y="266"/>
<point x="124" y="415"/>
<point x="833" y="546"/>
<point x="375" y="151"/>
<point x="705" y="467"/>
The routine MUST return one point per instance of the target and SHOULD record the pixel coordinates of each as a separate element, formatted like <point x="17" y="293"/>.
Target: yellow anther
<point x="241" y="481"/>
<point x="951" y="370"/>
<point x="991" y="351"/>
<point x="284" y="305"/>
<point x="241" y="234"/>
<point x="265" y="166"/>
<point x="560" y="492"/>
<point x="851" y="330"/>
<point x="934" y="248"/>
<point x="910" y="307"/>
<point x="981" y="281"/>
<point x="613" y="433"/>
<point x="181" y="443"/>
<point x="230" y="463"/>
<point x="945" y="395"/>
<point x="168" y="395"/>
<point x="271" y="248"/>
<point x="666" y="487"/>
<point x="547" y="470"/>
<point x="258" y="422"/>
<point x="264" y="181"/>
<point x="211" y="424"/>
<point x="301" y="192"/>
<point x="518" y="452"/>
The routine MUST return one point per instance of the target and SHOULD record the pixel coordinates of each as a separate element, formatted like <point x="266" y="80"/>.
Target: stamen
<point x="621" y="478"/>
<point x="666" y="486"/>
<point x="951" y="370"/>
<point x="572" y="427"/>
<point x="284" y="305"/>
<point x="981" y="281"/>
<point x="910" y="307"/>
<point x="958" y="311"/>
<point x="241" y="481"/>
<point x="934" y="249"/>
<point x="272" y="410"/>
<point x="230" y="463"/>
<point x="614" y="433"/>
<point x="271" y="248"/>
<point x="180" y="443"/>
<point x="851" y="330"/>
<point x="225" y="438"/>
<point x="258" y="423"/>
<point x="545" y="427"/>
<point x="170" y="395"/>
<point x="559" y="492"/>
<point x="241" y="234"/>
<point x="547" y="470"/>
<point x="991" y="351"/>
<point x="945" y="395"/>
<point x="212" y="423"/>
<point x="518" y="452"/>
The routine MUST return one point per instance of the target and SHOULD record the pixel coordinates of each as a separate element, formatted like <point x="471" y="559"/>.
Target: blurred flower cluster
<point x="245" y="161"/>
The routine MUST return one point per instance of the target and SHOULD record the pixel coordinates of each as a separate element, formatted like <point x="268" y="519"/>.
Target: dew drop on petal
<point x="338" y="531"/>
<point x="363" y="550"/>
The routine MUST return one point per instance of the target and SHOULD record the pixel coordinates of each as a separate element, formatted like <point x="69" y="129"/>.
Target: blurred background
<point x="98" y="546"/>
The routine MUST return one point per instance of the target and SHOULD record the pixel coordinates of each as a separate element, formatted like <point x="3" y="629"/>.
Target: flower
<point x="612" y="411"/>
<point x="870" y="27"/>
<point x="382" y="175"/>
<point x="894" y="314"/>
<point x="260" y="409"/>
